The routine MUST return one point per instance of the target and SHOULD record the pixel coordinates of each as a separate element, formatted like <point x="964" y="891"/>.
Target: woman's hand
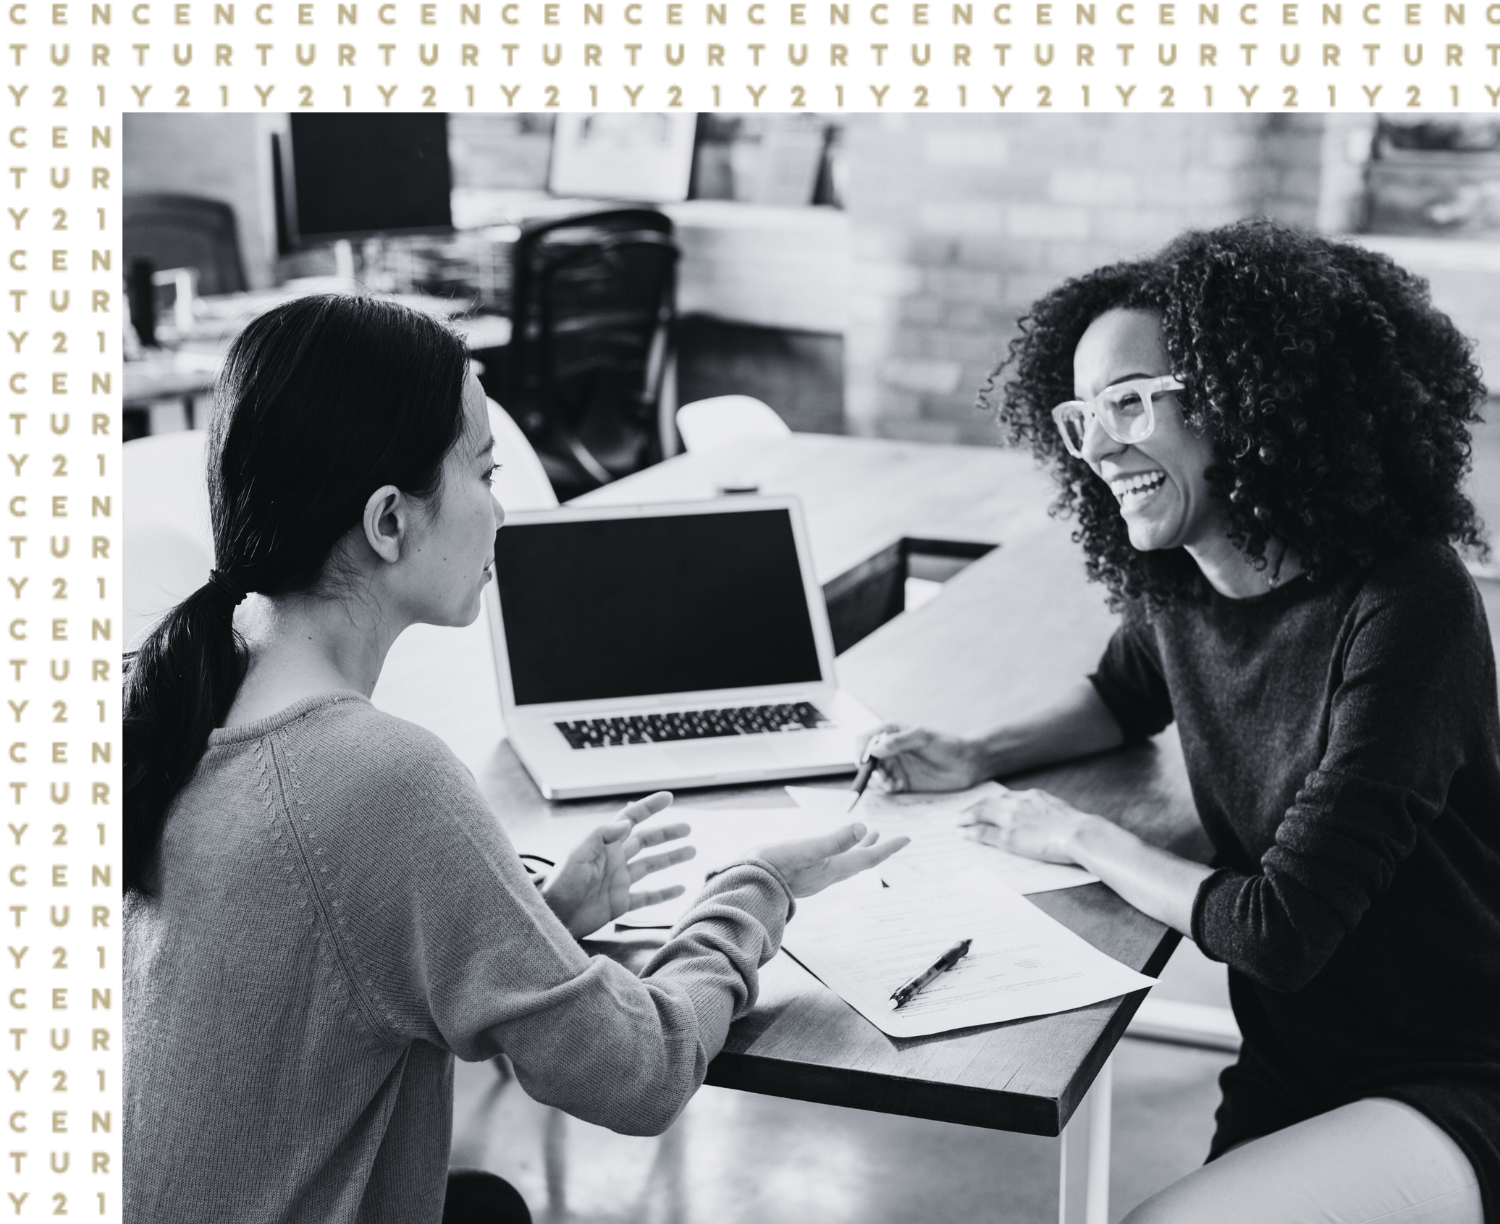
<point x="592" y="885"/>
<point x="811" y="865"/>
<point x="1030" y="822"/>
<point x="916" y="759"/>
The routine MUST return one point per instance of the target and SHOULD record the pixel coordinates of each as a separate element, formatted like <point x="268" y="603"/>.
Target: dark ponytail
<point x="321" y="401"/>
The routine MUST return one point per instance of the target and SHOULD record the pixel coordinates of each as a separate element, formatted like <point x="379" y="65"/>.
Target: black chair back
<point x="179" y="231"/>
<point x="592" y="311"/>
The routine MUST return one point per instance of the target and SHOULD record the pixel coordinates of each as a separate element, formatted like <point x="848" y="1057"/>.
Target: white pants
<point x="1374" y="1160"/>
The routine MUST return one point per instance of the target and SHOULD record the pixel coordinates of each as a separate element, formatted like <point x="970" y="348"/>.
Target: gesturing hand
<point x="1029" y="822"/>
<point x="812" y="864"/>
<point x="592" y="885"/>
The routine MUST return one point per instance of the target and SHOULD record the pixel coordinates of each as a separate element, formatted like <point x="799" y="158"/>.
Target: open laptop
<point x="667" y="646"/>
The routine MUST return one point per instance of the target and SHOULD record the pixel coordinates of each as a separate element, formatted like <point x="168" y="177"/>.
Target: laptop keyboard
<point x="692" y="724"/>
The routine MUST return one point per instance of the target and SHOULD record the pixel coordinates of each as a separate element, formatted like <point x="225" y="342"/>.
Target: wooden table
<point x="1004" y="635"/>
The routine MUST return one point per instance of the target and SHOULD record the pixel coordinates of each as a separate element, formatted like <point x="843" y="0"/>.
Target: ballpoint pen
<point x="867" y="764"/>
<point x="904" y="992"/>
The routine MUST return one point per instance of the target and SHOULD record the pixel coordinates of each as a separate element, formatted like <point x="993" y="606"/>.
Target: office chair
<point x="592" y="312"/>
<point x="723" y="419"/>
<point x="179" y="231"/>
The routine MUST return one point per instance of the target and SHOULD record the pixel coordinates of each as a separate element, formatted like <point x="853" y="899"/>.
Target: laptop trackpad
<point x="736" y="754"/>
<point x="748" y="752"/>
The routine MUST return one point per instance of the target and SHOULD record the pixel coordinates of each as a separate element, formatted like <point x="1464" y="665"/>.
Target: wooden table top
<point x="1004" y="636"/>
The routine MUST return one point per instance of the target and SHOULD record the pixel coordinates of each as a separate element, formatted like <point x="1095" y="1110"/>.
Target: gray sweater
<point x="337" y="913"/>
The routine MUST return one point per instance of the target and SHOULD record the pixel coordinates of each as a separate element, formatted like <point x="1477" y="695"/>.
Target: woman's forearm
<point x="1077" y="724"/>
<point x="1154" y="881"/>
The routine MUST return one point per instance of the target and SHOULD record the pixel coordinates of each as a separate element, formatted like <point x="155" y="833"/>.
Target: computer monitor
<point x="358" y="175"/>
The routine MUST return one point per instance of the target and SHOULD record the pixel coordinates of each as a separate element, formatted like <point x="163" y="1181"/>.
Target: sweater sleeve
<point x="443" y="938"/>
<point x="1130" y="680"/>
<point x="1411" y="667"/>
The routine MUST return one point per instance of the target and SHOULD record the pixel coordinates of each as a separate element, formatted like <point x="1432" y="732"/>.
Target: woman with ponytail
<point x="321" y="909"/>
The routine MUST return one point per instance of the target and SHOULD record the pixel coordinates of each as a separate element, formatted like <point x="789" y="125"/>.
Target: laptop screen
<point x="675" y="603"/>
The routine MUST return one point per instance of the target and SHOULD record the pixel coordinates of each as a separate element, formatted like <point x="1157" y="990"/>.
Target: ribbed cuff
<point x="791" y="900"/>
<point x="1200" y="903"/>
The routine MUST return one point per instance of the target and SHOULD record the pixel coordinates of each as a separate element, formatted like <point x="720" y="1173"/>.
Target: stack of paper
<point x="863" y="944"/>
<point x="939" y="850"/>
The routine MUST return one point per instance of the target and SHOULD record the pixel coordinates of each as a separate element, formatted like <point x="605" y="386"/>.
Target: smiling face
<point x="1160" y="482"/>
<point x="451" y="547"/>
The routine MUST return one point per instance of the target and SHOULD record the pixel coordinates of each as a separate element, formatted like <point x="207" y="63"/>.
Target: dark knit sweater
<point x="1343" y="745"/>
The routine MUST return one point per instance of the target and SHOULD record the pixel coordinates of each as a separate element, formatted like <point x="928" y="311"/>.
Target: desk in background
<point x="190" y="365"/>
<point x="1005" y="635"/>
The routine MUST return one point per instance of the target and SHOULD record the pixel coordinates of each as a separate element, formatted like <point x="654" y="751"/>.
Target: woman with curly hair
<point x="1261" y="436"/>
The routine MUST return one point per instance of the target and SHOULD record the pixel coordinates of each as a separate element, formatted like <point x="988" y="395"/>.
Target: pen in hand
<point x="867" y="766"/>
<point x="903" y="993"/>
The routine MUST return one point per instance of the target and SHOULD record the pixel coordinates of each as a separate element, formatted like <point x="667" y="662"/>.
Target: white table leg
<point x="1083" y="1183"/>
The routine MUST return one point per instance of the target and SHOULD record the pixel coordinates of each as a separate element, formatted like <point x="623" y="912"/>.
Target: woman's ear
<point x="386" y="519"/>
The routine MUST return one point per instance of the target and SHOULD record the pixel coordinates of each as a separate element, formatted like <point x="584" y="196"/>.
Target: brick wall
<point x="957" y="222"/>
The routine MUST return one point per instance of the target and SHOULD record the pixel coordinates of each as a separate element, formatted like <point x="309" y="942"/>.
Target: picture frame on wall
<point x="622" y="157"/>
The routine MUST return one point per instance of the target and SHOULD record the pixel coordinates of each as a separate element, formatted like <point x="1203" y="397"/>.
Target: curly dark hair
<point x="1338" y="400"/>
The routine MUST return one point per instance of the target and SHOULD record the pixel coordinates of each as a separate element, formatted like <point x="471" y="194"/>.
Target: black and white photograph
<point x="827" y="668"/>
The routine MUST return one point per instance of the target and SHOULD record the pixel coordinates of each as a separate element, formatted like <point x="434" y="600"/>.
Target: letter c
<point x="14" y="143"/>
<point x="1369" y="8"/>
<point x="18" y="755"/>
<point x="380" y="13"/>
<point x="20" y="1113"/>
<point x="19" y="497"/>
<point x="14" y="20"/>
<point x="880" y="9"/>
<point x="135" y="14"/>
<point x="633" y="8"/>
<point x="1120" y="14"/>
<point x="19" y="637"/>
<point x="15" y="255"/>
<point x="19" y="375"/>
<point x="1250" y="10"/>
<point x="21" y="867"/>
<point x="999" y="20"/>
<point x="751" y="14"/>
<point x="21" y="1006"/>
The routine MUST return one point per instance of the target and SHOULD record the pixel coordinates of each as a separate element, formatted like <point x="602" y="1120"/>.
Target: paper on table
<point x="863" y="944"/>
<point x="939" y="850"/>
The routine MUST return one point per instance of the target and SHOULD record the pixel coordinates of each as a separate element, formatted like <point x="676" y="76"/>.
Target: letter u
<point x="60" y="922"/>
<point x="67" y="298"/>
<point x="66" y="791"/>
<point x="1406" y="51"/>
<point x="66" y="175"/>
<point x="926" y="54"/>
<point x="63" y="428"/>
<point x="67" y="543"/>
<point x="67" y="50"/>
<point x="1163" y="57"/>
<point x="797" y="58"/>
<point x="1296" y="54"/>
<point x="552" y="56"/>
<point x="675" y="60"/>
<point x="67" y="667"/>
<point x="67" y="1036"/>
<point x="1038" y="52"/>
<point x="422" y="51"/>
<point x="65" y="1161"/>
<point x="312" y="54"/>
<point x="177" y="54"/>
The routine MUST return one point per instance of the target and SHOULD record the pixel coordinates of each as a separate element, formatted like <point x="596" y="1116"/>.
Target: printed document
<point x="863" y="943"/>
<point x="940" y="849"/>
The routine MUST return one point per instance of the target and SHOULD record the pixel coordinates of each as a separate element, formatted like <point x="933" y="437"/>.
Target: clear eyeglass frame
<point x="1126" y="411"/>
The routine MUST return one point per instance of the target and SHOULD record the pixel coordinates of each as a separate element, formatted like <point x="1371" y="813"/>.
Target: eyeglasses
<point x="1125" y="411"/>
